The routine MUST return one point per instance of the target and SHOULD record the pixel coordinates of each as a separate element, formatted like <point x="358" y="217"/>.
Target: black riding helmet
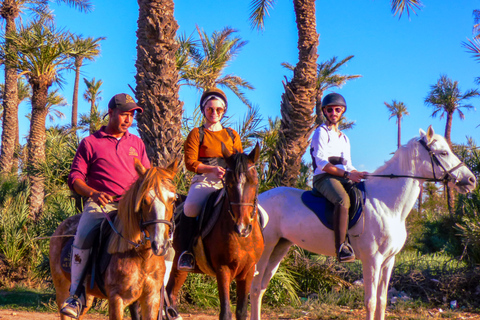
<point x="212" y="92"/>
<point x="334" y="99"/>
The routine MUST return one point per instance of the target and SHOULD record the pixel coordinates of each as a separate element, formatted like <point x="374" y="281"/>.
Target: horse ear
<point x="139" y="167"/>
<point x="255" y="153"/>
<point x="226" y="153"/>
<point x="430" y="133"/>
<point x="174" y="166"/>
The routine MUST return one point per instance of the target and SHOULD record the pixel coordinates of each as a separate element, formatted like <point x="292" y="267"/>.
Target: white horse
<point x="391" y="192"/>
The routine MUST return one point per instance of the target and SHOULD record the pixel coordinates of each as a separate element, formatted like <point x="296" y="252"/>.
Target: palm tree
<point x="23" y="92"/>
<point x="85" y="48"/>
<point x="473" y="45"/>
<point x="157" y="82"/>
<point x="298" y="101"/>
<point x="43" y="52"/>
<point x="92" y="94"/>
<point x="397" y="110"/>
<point x="328" y="78"/>
<point x="9" y="11"/>
<point x="93" y="121"/>
<point x="209" y="63"/>
<point x="446" y="99"/>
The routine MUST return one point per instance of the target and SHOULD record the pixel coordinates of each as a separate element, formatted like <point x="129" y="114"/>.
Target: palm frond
<point x="400" y="6"/>
<point x="259" y="9"/>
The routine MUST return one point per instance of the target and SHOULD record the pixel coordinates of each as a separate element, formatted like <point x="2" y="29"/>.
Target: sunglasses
<point x="217" y="110"/>
<point x="337" y="110"/>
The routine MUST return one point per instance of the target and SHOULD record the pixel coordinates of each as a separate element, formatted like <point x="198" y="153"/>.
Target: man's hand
<point x="357" y="176"/>
<point x="101" y="198"/>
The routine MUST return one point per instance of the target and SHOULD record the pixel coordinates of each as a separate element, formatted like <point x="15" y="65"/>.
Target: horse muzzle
<point x="243" y="230"/>
<point x="161" y="250"/>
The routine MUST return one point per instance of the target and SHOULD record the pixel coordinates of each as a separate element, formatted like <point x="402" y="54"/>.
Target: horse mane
<point x="128" y="218"/>
<point x="403" y="158"/>
<point x="239" y="164"/>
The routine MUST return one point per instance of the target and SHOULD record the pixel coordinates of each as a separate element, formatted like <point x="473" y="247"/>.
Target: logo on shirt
<point x="132" y="152"/>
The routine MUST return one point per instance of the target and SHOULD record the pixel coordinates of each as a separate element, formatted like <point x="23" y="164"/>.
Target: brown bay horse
<point x="234" y="245"/>
<point x="134" y="275"/>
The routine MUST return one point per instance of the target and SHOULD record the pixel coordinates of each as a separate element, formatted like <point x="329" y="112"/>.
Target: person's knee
<point x="191" y="209"/>
<point x="344" y="202"/>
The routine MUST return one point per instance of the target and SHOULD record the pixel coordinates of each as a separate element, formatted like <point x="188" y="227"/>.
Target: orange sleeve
<point x="190" y="149"/>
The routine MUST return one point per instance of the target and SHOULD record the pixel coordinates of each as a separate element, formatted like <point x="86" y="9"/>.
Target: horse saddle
<point x="99" y="257"/>
<point x="323" y="208"/>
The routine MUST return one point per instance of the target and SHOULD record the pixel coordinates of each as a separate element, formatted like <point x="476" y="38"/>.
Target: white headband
<point x="213" y="97"/>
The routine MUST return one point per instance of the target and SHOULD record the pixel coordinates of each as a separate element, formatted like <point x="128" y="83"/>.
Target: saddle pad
<point x="323" y="208"/>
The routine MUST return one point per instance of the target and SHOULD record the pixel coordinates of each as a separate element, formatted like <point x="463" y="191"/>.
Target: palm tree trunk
<point x="10" y="107"/>
<point x="399" y="133"/>
<point x="78" y="64"/>
<point x="298" y="101"/>
<point x="450" y="194"/>
<point x="157" y="82"/>
<point x="92" y="126"/>
<point x="36" y="149"/>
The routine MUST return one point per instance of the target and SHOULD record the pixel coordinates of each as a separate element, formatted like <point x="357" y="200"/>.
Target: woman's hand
<point x="218" y="171"/>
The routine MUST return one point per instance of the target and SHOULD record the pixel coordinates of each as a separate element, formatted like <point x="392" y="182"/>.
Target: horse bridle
<point x="230" y="204"/>
<point x="170" y="223"/>
<point x="447" y="174"/>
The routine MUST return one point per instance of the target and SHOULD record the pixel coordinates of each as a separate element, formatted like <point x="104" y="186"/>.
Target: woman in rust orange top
<point x="203" y="155"/>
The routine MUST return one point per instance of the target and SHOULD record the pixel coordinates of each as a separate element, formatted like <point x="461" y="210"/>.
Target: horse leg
<point x="150" y="304"/>
<point x="115" y="307"/>
<point x="382" y="290"/>
<point x="134" y="311"/>
<point x="175" y="282"/>
<point x="223" y="282"/>
<point x="371" y="274"/>
<point x="266" y="268"/>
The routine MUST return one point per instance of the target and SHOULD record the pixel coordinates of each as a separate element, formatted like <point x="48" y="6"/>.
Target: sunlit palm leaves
<point x="92" y="94"/>
<point x="202" y="64"/>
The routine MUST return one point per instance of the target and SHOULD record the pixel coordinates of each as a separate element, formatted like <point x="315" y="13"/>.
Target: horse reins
<point x="447" y="174"/>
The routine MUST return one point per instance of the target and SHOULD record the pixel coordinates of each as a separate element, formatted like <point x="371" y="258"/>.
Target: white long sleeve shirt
<point x="326" y="144"/>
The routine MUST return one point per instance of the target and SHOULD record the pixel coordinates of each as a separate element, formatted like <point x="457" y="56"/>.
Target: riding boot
<point x="186" y="261"/>
<point x="344" y="250"/>
<point x="73" y="306"/>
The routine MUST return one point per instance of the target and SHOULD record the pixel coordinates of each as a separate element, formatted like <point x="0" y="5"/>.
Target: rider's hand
<point x="357" y="176"/>
<point x="101" y="198"/>
<point x="218" y="171"/>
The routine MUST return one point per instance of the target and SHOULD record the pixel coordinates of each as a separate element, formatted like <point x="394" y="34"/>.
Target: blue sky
<point x="398" y="59"/>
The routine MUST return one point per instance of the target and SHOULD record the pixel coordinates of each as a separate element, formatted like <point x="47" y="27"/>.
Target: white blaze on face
<point x="158" y="207"/>
<point x="241" y="184"/>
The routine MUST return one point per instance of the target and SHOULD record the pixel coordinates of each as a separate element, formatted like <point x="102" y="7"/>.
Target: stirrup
<point x="72" y="307"/>
<point x="186" y="261"/>
<point x="345" y="253"/>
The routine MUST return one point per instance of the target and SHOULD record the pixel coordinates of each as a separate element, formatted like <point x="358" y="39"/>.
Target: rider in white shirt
<point x="333" y="170"/>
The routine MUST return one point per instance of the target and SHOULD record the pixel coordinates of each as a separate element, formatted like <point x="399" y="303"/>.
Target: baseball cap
<point x="124" y="103"/>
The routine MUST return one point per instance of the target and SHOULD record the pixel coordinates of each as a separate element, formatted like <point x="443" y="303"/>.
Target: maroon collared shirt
<point x="106" y="163"/>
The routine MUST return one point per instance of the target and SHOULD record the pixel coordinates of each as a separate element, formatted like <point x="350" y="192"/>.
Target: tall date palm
<point x="157" y="82"/>
<point x="446" y="99"/>
<point x="397" y="110"/>
<point x="43" y="52"/>
<point x="85" y="48"/>
<point x="92" y="94"/>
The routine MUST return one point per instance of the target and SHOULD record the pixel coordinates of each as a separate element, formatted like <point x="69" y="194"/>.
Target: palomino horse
<point x="235" y="243"/>
<point x="391" y="192"/>
<point x="136" y="269"/>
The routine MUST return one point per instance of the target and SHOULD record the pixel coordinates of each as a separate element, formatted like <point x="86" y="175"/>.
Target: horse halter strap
<point x="447" y="174"/>
<point x="254" y="204"/>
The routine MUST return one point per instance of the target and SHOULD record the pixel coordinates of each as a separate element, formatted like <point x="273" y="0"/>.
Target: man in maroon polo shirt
<point x="103" y="168"/>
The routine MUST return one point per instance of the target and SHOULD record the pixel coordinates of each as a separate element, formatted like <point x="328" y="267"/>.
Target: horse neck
<point x="397" y="195"/>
